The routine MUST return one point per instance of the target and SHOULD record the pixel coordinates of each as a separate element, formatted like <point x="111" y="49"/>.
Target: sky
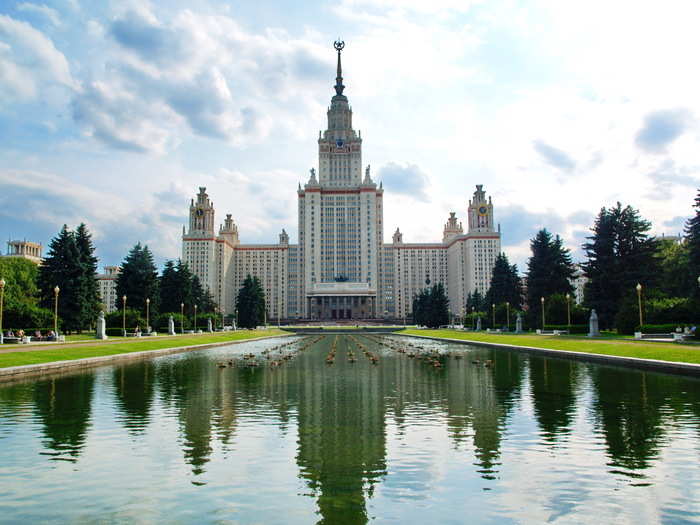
<point x="113" y="113"/>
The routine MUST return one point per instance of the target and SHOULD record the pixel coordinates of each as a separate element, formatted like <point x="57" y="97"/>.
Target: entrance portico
<point x="336" y="301"/>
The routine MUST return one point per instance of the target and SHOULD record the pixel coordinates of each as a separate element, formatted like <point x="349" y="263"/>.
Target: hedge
<point x="663" y="328"/>
<point x="573" y="329"/>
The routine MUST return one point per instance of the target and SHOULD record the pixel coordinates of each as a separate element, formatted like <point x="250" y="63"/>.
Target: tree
<point x="431" y="306"/>
<point x="138" y="280"/>
<point x="550" y="271"/>
<point x="250" y="303"/>
<point x="88" y="291"/>
<point x="62" y="267"/>
<point x="21" y="296"/>
<point x="620" y="254"/>
<point x="692" y="238"/>
<point x="506" y="285"/>
<point x="201" y="296"/>
<point x="439" y="307"/>
<point x="475" y="301"/>
<point x="676" y="279"/>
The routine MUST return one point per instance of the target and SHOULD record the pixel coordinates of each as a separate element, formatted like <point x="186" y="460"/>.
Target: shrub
<point x="133" y="319"/>
<point x="663" y="328"/>
<point x="573" y="329"/>
<point x="627" y="318"/>
<point x="161" y="322"/>
<point x="24" y="315"/>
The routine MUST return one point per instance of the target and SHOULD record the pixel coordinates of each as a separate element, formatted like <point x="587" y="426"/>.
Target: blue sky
<point x="113" y="113"/>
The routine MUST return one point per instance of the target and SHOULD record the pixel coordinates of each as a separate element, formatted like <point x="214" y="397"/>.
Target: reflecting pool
<point x="351" y="429"/>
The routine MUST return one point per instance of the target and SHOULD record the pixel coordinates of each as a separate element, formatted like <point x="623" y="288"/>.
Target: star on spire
<point x="339" y="87"/>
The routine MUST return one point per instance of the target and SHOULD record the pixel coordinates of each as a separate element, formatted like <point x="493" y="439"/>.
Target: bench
<point x="677" y="337"/>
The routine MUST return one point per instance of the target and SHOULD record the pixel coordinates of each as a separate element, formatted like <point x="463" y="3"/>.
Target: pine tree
<point x="506" y="285"/>
<point x="550" y="271"/>
<point x="89" y="295"/>
<point x="62" y="267"/>
<point x="138" y="280"/>
<point x="620" y="254"/>
<point x="475" y="301"/>
<point x="250" y="303"/>
<point x="170" y="289"/>
<point x="692" y="237"/>
<point x="439" y="307"/>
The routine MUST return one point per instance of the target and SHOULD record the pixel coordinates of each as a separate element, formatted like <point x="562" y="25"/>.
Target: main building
<point x="341" y="267"/>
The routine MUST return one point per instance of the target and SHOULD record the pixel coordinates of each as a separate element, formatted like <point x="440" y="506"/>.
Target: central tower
<point x="339" y="147"/>
<point x="340" y="222"/>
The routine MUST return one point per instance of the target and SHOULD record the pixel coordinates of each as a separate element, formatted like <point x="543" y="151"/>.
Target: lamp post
<point x="148" y="315"/>
<point x="462" y="312"/>
<point x="2" y="297"/>
<point x="639" y="303"/>
<point x="473" y="319"/>
<point x="568" y="311"/>
<point x="235" y="321"/>
<point x="182" y="318"/>
<point x="195" y="318"/>
<point x="493" y="315"/>
<point x="542" y="303"/>
<point x="55" y="311"/>
<point x="508" y="315"/>
<point x="124" y="315"/>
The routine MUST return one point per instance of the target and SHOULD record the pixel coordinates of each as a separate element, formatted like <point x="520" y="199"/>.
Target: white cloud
<point x="29" y="61"/>
<point x="204" y="72"/>
<point x="43" y="10"/>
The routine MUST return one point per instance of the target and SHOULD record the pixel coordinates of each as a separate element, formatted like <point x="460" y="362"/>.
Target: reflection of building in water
<point x="342" y="444"/>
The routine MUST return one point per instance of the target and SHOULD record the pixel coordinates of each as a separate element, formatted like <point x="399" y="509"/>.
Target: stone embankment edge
<point x="674" y="367"/>
<point x="15" y="372"/>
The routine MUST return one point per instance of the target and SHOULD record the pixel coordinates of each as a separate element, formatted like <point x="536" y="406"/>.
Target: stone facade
<point x="341" y="268"/>
<point x="579" y="283"/>
<point x="25" y="250"/>
<point x="107" y="285"/>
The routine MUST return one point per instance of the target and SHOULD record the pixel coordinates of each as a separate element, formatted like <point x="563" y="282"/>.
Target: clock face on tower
<point x="483" y="210"/>
<point x="199" y="213"/>
<point x="339" y="143"/>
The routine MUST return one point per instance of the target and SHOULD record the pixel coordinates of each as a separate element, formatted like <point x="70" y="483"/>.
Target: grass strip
<point x="640" y="349"/>
<point x="56" y="353"/>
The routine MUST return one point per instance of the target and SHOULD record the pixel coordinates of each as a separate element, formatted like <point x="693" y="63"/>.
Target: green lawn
<point x="48" y="354"/>
<point x="74" y="338"/>
<point x="640" y="349"/>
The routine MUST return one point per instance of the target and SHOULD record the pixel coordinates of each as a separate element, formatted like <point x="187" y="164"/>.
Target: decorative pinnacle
<point x="339" y="45"/>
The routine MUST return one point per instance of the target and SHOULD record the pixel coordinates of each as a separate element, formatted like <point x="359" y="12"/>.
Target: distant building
<point x="25" y="250"/>
<point x="107" y="284"/>
<point x="341" y="268"/>
<point x="579" y="283"/>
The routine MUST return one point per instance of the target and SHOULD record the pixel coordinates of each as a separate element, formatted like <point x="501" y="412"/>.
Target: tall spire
<point x="339" y="87"/>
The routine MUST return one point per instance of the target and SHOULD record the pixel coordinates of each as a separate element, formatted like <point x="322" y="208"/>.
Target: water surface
<point x="517" y="439"/>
